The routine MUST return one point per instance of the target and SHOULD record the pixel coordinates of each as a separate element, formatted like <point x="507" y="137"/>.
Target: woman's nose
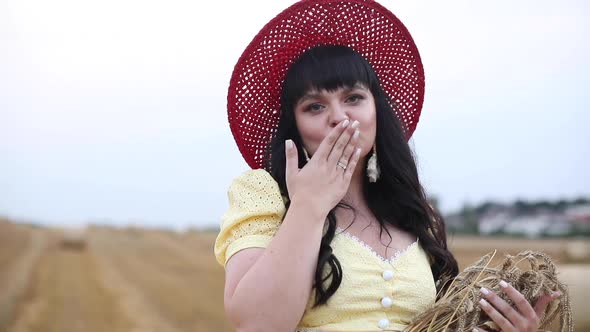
<point x="337" y="115"/>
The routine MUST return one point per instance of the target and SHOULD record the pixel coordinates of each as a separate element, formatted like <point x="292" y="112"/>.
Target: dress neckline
<point x="396" y="255"/>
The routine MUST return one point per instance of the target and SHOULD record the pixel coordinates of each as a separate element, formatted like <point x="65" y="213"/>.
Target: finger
<point x="341" y="143"/>
<point x="497" y="317"/>
<point x="328" y="142"/>
<point x="354" y="159"/>
<point x="543" y="301"/>
<point x="350" y="148"/>
<point x="502" y="306"/>
<point x="521" y="302"/>
<point x="292" y="160"/>
<point x="477" y="329"/>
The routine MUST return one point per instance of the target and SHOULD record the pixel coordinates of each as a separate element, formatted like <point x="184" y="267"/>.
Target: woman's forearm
<point x="273" y="294"/>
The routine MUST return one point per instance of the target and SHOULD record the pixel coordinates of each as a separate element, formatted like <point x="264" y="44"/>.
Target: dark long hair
<point x="397" y="198"/>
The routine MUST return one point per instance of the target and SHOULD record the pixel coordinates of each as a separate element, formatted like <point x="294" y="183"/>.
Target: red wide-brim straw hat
<point x="253" y="101"/>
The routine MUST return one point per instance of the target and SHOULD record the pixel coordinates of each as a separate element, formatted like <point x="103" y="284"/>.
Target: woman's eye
<point x="314" y="107"/>
<point x="354" y="98"/>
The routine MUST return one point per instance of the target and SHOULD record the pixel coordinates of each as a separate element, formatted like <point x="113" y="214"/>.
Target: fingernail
<point x="356" y="134"/>
<point x="475" y="330"/>
<point x="484" y="291"/>
<point x="503" y="284"/>
<point x="556" y="294"/>
<point x="289" y="144"/>
<point x="345" y="123"/>
<point x="483" y="302"/>
<point x="355" y="124"/>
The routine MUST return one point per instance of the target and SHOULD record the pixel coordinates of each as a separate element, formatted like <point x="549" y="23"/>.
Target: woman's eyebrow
<point x="314" y="94"/>
<point x="349" y="89"/>
<point x="309" y="95"/>
<point x="359" y="86"/>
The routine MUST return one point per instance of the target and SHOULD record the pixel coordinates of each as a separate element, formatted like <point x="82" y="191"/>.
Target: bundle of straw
<point x="457" y="309"/>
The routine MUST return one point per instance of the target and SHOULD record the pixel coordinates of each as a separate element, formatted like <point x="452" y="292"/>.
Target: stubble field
<point x="109" y="279"/>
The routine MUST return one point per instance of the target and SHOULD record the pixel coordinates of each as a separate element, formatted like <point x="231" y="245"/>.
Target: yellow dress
<point x="376" y="294"/>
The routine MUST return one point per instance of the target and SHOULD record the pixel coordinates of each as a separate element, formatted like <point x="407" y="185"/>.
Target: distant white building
<point x="559" y="225"/>
<point x="530" y="226"/>
<point x="579" y="216"/>
<point x="494" y="222"/>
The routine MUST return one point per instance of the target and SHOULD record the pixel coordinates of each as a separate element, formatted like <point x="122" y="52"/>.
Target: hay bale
<point x="577" y="251"/>
<point x="73" y="239"/>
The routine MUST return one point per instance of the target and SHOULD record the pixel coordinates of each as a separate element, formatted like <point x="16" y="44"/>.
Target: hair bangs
<point x="326" y="68"/>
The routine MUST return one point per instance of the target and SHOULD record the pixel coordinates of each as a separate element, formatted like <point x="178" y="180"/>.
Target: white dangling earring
<point x="373" y="170"/>
<point x="306" y="155"/>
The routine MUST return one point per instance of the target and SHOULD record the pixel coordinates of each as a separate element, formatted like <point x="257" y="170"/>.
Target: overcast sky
<point x="115" y="111"/>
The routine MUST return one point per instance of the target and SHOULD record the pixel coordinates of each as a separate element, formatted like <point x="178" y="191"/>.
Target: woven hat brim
<point x="253" y="101"/>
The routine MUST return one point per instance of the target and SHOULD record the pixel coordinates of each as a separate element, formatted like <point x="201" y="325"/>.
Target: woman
<point x="332" y="231"/>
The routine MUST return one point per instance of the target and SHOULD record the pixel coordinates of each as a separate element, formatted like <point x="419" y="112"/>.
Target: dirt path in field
<point x="16" y="271"/>
<point x="165" y="286"/>
<point x="65" y="295"/>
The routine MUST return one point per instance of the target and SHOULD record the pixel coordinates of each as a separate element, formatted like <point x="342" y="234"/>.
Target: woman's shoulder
<point x="256" y="189"/>
<point x="256" y="209"/>
<point x="254" y="177"/>
<point x="255" y="183"/>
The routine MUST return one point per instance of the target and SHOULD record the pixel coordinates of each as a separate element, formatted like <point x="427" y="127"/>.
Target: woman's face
<point x="317" y="112"/>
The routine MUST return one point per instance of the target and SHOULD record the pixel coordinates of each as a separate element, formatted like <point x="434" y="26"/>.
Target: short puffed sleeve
<point x="255" y="212"/>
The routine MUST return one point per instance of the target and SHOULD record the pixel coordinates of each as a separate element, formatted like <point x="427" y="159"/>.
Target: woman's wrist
<point x="310" y="207"/>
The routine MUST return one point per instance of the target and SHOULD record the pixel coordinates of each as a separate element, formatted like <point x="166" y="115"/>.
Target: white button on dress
<point x="386" y="302"/>
<point x="383" y="323"/>
<point x="387" y="274"/>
